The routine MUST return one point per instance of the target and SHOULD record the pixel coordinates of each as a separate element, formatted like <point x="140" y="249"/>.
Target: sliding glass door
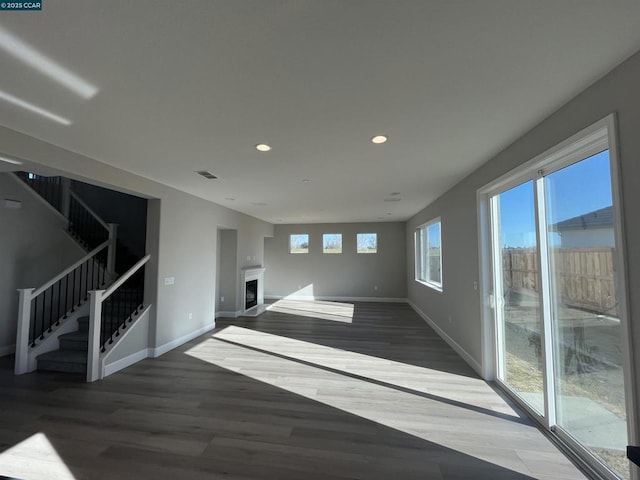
<point x="588" y="366"/>
<point x="558" y="299"/>
<point x="517" y="299"/>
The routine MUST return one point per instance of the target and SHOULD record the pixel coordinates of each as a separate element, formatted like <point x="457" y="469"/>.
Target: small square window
<point x="367" y="243"/>
<point x="332" y="243"/>
<point x="299" y="243"/>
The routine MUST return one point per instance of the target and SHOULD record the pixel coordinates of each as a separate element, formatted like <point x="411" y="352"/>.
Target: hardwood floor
<point x="304" y="391"/>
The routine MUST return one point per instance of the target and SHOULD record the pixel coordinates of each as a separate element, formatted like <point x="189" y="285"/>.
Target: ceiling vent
<point x="206" y="174"/>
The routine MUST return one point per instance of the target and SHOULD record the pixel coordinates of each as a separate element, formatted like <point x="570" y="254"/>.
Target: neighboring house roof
<point x="602" y="218"/>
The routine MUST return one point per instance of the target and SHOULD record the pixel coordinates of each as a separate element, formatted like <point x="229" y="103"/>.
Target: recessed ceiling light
<point x="305" y="180"/>
<point x="263" y="147"/>
<point x="378" y="139"/>
<point x="10" y="160"/>
<point x="231" y="199"/>
<point x="394" y="194"/>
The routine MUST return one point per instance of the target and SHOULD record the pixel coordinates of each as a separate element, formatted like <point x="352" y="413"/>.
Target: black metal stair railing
<point x="56" y="300"/>
<point x="84" y="225"/>
<point x="121" y="307"/>
<point x="49" y="188"/>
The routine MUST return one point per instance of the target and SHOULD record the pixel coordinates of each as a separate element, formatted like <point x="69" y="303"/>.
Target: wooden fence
<point x="584" y="277"/>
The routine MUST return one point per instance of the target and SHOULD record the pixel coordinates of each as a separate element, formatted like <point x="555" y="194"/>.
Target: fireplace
<point x="252" y="291"/>
<point x="251" y="294"/>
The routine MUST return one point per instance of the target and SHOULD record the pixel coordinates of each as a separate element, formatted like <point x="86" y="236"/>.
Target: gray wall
<point x="185" y="245"/>
<point x="616" y="92"/>
<point x="228" y="271"/>
<point x="33" y="248"/>
<point x="338" y="275"/>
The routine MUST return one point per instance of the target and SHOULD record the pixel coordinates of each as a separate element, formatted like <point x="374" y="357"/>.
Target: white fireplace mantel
<point x="248" y="274"/>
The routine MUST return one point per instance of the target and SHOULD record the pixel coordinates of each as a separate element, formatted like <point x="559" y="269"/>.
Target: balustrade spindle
<point x="59" y="312"/>
<point x="50" y="309"/>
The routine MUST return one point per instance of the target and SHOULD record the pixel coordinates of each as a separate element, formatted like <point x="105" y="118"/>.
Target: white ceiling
<point x="194" y="85"/>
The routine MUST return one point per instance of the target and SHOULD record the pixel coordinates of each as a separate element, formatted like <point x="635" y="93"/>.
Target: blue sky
<point x="575" y="190"/>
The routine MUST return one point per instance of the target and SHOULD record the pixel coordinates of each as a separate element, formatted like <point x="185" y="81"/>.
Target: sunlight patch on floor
<point x="426" y="418"/>
<point x="420" y="379"/>
<point x="334" y="311"/>
<point x="34" y="459"/>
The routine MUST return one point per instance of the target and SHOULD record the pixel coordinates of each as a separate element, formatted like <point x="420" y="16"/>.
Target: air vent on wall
<point x="206" y="174"/>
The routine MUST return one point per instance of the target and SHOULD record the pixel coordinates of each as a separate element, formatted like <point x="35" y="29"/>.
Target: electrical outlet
<point x="375" y="287"/>
<point x="475" y="285"/>
<point x="222" y="299"/>
<point x="190" y="316"/>
<point x="169" y="280"/>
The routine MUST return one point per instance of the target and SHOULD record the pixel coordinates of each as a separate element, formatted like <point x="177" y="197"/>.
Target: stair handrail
<point x="67" y="271"/>
<point x="28" y="295"/>
<point x="124" y="277"/>
<point x="89" y="209"/>
<point x="97" y="297"/>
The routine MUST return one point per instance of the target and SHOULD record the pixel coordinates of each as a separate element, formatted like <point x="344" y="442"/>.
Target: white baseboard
<point x="337" y="299"/>
<point x="452" y="343"/>
<point x="162" y="349"/>
<point x="7" y="350"/>
<point x="125" y="362"/>
<point x="228" y="314"/>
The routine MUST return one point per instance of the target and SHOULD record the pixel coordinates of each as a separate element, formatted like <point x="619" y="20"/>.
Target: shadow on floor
<point x="180" y="417"/>
<point x="390" y="331"/>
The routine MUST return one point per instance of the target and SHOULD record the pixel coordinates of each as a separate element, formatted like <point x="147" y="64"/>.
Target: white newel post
<point x="22" y="336"/>
<point x="111" y="253"/>
<point x="95" y="319"/>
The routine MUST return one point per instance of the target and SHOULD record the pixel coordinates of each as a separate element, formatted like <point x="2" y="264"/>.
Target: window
<point x="367" y="243"/>
<point x="429" y="254"/>
<point x="332" y="243"/>
<point x="299" y="243"/>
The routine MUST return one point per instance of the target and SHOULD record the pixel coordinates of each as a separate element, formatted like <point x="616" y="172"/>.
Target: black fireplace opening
<point x="251" y="294"/>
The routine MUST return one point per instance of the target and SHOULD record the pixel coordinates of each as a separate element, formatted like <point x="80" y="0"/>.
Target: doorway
<point x="555" y="285"/>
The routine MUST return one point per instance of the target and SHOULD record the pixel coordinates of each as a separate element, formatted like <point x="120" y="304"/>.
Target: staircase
<point x="46" y="312"/>
<point x="71" y="357"/>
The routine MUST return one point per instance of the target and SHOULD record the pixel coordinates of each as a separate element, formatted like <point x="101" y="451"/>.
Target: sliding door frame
<point x="593" y="139"/>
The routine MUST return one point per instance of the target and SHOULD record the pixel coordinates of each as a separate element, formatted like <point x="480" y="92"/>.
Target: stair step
<point x="74" y="341"/>
<point x="69" y="361"/>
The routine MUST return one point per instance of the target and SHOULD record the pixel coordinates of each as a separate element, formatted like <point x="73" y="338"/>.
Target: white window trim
<point x="341" y="245"/>
<point x="438" y="286"/>
<point x="367" y="233"/>
<point x="289" y="249"/>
